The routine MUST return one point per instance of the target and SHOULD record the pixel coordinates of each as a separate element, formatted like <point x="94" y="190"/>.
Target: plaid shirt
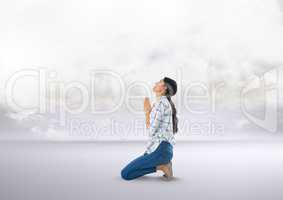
<point x="161" y="125"/>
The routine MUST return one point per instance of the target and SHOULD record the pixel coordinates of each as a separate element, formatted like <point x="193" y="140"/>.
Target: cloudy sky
<point x="229" y="41"/>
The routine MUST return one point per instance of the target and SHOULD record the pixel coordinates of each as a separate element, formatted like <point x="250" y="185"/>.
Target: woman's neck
<point x="159" y="96"/>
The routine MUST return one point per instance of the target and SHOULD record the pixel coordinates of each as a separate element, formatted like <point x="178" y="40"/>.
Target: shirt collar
<point x="160" y="97"/>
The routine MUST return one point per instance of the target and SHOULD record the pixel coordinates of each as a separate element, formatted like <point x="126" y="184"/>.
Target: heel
<point x="169" y="176"/>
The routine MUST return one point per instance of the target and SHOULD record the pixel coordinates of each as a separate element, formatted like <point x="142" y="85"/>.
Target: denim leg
<point x="138" y="167"/>
<point x="147" y="163"/>
<point x="131" y="174"/>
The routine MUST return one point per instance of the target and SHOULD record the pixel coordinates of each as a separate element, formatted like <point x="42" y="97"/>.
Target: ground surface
<point x="88" y="170"/>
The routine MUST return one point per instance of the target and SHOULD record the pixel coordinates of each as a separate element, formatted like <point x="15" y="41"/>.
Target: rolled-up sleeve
<point x="155" y="122"/>
<point x="157" y="118"/>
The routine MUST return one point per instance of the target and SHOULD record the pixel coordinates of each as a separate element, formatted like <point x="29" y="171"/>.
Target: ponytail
<point x="174" y="115"/>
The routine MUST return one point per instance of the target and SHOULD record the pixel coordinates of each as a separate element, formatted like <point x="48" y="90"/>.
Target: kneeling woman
<point x="161" y="122"/>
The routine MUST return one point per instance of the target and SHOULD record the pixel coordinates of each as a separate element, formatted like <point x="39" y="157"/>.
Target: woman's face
<point x="159" y="87"/>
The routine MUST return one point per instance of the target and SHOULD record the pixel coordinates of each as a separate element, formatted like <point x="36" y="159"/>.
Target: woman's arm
<point x="157" y="117"/>
<point x="147" y="110"/>
<point x="154" y="125"/>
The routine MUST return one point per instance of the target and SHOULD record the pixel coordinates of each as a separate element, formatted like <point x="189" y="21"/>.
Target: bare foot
<point x="166" y="169"/>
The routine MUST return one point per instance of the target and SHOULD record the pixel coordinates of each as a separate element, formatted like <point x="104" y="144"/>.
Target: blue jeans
<point x="147" y="163"/>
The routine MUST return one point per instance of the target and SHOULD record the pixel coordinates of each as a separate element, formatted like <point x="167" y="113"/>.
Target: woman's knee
<point x="125" y="174"/>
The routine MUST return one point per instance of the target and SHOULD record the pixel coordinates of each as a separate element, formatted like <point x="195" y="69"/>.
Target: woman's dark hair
<point x="174" y="113"/>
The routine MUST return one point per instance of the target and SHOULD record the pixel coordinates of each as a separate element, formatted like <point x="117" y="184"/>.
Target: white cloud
<point x="147" y="39"/>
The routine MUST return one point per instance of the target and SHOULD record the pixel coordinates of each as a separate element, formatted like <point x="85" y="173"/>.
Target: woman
<point x="162" y="124"/>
